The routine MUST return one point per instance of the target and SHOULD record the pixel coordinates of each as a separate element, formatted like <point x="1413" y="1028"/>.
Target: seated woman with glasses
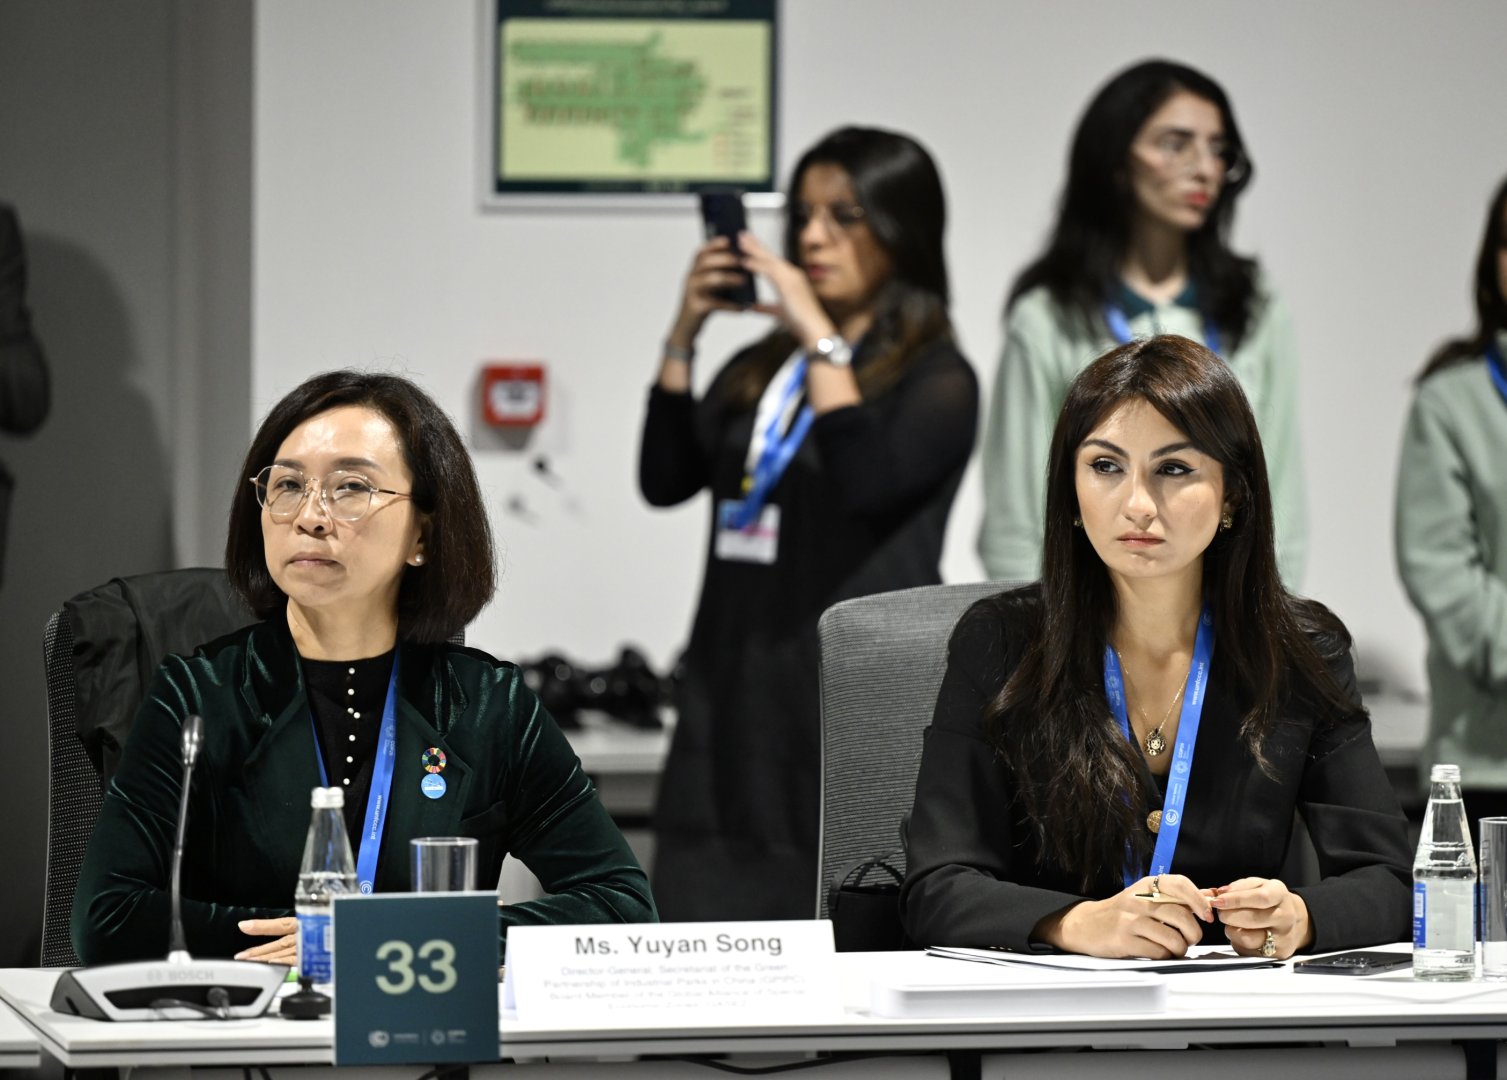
<point x="362" y="540"/>
<point x="832" y="449"/>
<point x="1118" y="751"/>
<point x="1140" y="247"/>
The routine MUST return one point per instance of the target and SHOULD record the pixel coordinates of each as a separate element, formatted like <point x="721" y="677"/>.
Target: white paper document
<point x="1199" y="958"/>
<point x="928" y="986"/>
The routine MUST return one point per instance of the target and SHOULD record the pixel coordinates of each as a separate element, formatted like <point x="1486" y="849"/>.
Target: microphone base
<point x="129" y="991"/>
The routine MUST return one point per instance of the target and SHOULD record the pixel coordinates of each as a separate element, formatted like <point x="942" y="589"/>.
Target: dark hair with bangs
<point x="459" y="574"/>
<point x="1490" y="304"/>
<point x="1081" y="264"/>
<point x="897" y="184"/>
<point x="1079" y="777"/>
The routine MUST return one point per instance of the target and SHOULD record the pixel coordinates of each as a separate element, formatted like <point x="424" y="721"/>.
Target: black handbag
<point x="863" y="902"/>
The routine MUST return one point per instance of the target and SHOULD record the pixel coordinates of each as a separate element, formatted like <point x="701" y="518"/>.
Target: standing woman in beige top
<point x="1140" y="247"/>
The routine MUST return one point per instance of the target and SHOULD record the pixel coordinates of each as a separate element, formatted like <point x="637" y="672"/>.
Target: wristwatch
<point x="834" y="350"/>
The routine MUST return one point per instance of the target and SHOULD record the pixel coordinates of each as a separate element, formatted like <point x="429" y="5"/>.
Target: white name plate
<point x="643" y="975"/>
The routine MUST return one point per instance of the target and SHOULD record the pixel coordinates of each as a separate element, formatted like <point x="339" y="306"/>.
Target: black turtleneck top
<point x="346" y="697"/>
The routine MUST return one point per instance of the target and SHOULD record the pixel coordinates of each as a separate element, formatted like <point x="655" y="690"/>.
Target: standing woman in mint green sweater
<point x="1140" y="247"/>
<point x="1451" y="529"/>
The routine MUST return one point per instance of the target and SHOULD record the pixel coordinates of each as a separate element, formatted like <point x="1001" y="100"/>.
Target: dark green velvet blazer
<point x="513" y="783"/>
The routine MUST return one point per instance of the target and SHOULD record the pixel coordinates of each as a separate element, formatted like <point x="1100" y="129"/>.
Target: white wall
<point x="1375" y="126"/>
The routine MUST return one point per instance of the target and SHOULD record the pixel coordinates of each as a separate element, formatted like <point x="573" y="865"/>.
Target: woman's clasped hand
<point x="1159" y="917"/>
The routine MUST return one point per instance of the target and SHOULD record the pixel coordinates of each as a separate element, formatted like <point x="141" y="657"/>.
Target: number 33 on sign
<point x="399" y="955"/>
<point x="415" y="978"/>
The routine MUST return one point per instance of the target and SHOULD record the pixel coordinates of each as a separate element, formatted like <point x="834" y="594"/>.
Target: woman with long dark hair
<point x="832" y="449"/>
<point x="1452" y="532"/>
<point x="1143" y="723"/>
<point x="1140" y="246"/>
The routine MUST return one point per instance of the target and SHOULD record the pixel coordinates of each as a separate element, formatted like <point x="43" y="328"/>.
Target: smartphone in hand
<point x="1354" y="963"/>
<point x="722" y="214"/>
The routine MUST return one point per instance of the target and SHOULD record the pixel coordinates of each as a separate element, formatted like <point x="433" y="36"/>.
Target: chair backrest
<point x="100" y="651"/>
<point x="882" y="660"/>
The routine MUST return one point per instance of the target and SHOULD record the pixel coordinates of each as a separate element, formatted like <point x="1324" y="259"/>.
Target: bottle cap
<point x="327" y="798"/>
<point x="1444" y="774"/>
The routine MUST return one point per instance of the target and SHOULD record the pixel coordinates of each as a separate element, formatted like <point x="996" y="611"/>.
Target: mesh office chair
<point x="882" y="659"/>
<point x="101" y="649"/>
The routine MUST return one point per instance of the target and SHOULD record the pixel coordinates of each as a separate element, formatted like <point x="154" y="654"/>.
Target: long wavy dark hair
<point x="1081" y="264"/>
<point x="1491" y="305"/>
<point x="1080" y="780"/>
<point x="897" y="184"/>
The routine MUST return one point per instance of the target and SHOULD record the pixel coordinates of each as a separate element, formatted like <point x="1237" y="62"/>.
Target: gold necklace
<point x="1154" y="743"/>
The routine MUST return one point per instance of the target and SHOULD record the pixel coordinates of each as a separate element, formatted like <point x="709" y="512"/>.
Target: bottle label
<point x="1420" y="915"/>
<point x="316" y="947"/>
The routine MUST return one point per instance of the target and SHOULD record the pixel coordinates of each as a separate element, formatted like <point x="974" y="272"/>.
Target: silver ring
<point x="1156" y="886"/>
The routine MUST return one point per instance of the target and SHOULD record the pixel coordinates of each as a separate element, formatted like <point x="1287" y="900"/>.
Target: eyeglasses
<point x="344" y="496"/>
<point x="1180" y="149"/>
<point x="836" y="218"/>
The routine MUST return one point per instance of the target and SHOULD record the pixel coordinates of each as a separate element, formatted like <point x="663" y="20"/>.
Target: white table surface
<point x="1270" y="1006"/>
<point x="82" y="1043"/>
<point x="1245" y="1007"/>
<point x="18" y="1043"/>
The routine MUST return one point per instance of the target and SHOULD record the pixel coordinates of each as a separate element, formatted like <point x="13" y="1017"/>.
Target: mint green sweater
<point x="1045" y="349"/>
<point x="1451" y="530"/>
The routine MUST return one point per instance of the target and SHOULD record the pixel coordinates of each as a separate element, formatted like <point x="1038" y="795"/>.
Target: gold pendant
<point x="1155" y="744"/>
<point x="1154" y="821"/>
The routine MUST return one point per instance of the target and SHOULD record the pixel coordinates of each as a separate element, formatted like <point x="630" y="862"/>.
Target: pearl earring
<point x="418" y="560"/>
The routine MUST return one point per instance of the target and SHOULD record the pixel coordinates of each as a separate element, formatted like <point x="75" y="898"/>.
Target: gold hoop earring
<point x="1227" y="523"/>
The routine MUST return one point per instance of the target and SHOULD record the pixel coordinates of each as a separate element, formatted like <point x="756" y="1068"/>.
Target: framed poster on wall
<point x="628" y="100"/>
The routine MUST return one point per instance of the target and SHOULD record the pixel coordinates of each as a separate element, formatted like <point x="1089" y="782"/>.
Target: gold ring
<point x="1269" y="946"/>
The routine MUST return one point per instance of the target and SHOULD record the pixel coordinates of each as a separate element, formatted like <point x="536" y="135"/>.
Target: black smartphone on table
<point x="1363" y="962"/>
<point x="722" y="214"/>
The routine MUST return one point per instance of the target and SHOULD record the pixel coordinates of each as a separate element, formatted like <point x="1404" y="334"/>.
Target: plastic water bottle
<point x="328" y="871"/>
<point x="1444" y="885"/>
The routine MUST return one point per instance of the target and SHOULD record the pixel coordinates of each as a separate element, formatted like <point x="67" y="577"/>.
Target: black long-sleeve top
<point x="978" y="876"/>
<point x="872" y="481"/>
<point x="863" y="509"/>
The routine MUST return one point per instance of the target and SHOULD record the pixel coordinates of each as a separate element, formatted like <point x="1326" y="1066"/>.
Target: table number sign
<point x="415" y="978"/>
<point x="578" y="976"/>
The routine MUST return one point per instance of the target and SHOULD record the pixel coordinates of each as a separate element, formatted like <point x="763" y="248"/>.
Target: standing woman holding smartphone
<point x="1140" y="247"/>
<point x="832" y="448"/>
<point x="1451" y="530"/>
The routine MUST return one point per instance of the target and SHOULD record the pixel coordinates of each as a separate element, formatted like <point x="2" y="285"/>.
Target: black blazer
<point x="979" y="877"/>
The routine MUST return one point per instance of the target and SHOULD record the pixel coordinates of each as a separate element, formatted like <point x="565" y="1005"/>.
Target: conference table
<point x="1247" y="1023"/>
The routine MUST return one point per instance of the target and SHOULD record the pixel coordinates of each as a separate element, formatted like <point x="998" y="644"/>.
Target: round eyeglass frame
<point x="326" y="504"/>
<point x="1232" y="158"/>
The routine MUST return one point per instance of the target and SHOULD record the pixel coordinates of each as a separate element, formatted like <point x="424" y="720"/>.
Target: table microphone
<point x="180" y="987"/>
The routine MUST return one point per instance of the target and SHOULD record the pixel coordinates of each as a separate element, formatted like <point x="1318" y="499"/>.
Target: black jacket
<point x="978" y="876"/>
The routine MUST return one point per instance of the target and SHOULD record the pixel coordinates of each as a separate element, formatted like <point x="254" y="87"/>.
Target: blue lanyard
<point x="1119" y="327"/>
<point x="1495" y="366"/>
<point x="377" y="798"/>
<point x="777" y="453"/>
<point x="1182" y="750"/>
